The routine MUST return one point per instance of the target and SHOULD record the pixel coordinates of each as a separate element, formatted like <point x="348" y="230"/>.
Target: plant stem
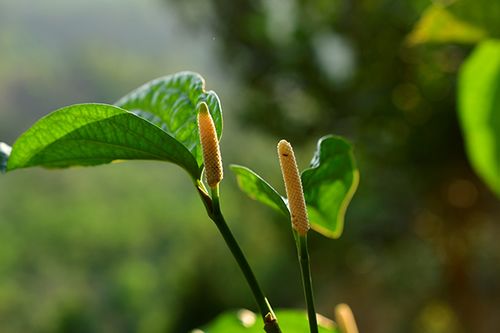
<point x="305" y="269"/>
<point x="271" y="324"/>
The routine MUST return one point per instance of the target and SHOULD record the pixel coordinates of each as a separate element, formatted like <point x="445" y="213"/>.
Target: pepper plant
<point x="174" y="119"/>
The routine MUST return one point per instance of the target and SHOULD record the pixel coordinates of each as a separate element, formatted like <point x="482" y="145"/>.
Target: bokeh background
<point x="128" y="248"/>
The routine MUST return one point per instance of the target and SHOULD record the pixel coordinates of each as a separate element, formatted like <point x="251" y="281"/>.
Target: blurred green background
<point x="128" y="248"/>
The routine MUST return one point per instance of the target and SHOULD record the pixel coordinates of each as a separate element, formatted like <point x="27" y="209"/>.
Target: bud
<point x="210" y="145"/>
<point x="293" y="186"/>
<point x="345" y="319"/>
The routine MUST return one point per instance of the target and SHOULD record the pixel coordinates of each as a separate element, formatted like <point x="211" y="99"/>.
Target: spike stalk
<point x="305" y="270"/>
<point x="300" y="223"/>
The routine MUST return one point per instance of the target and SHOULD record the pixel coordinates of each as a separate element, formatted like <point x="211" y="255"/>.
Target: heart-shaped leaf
<point x="245" y="321"/>
<point x="171" y="102"/>
<point x="92" y="134"/>
<point x="479" y="111"/>
<point x="328" y="185"/>
<point x="5" y="150"/>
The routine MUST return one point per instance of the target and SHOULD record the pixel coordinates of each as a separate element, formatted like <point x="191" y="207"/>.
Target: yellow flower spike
<point x="345" y="319"/>
<point x="210" y="145"/>
<point x="293" y="186"/>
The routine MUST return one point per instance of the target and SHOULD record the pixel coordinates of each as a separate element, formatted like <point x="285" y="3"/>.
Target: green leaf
<point x="171" y="102"/>
<point x="438" y="25"/>
<point x="479" y="111"/>
<point x="245" y="321"/>
<point x="329" y="185"/>
<point x="5" y="150"/>
<point x="258" y="189"/>
<point x="92" y="134"/>
<point x="483" y="14"/>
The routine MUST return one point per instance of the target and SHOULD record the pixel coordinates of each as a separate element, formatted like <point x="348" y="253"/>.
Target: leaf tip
<point x="237" y="169"/>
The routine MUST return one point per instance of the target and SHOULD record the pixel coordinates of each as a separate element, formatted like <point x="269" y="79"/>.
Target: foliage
<point x="479" y="79"/>
<point x="479" y="110"/>
<point x="423" y="230"/>
<point x="161" y="127"/>
<point x="347" y="67"/>
<point x="160" y="124"/>
<point x="440" y="26"/>
<point x="243" y="321"/>
<point x="171" y="102"/>
<point x="328" y="185"/>
<point x="481" y="13"/>
<point x="92" y="134"/>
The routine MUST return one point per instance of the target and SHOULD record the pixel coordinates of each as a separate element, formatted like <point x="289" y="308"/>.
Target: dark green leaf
<point x="329" y="185"/>
<point x="245" y="321"/>
<point x="5" y="150"/>
<point x="479" y="111"/>
<point x="258" y="189"/>
<point x="92" y="134"/>
<point x="171" y="103"/>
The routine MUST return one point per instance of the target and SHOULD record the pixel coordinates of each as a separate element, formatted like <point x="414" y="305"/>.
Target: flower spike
<point x="345" y="319"/>
<point x="293" y="186"/>
<point x="210" y="145"/>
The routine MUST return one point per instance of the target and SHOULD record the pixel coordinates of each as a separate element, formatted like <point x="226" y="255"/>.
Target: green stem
<point x="305" y="269"/>
<point x="271" y="324"/>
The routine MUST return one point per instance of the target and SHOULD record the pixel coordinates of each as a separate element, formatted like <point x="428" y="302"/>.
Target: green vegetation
<point x="479" y="105"/>
<point x="479" y="83"/>
<point x="329" y="185"/>
<point x="160" y="124"/>
<point x="127" y="247"/>
<point x="293" y="321"/>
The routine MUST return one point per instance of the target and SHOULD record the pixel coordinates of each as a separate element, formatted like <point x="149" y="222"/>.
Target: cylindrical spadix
<point x="293" y="186"/>
<point x="345" y="319"/>
<point x="210" y="145"/>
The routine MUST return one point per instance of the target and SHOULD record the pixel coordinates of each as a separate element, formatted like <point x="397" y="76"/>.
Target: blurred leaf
<point x="479" y="111"/>
<point x="483" y="14"/>
<point x="438" y="25"/>
<point x="92" y="134"/>
<point x="329" y="185"/>
<point x="171" y="103"/>
<point x="245" y="321"/>
<point x="5" y="150"/>
<point x="258" y="189"/>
